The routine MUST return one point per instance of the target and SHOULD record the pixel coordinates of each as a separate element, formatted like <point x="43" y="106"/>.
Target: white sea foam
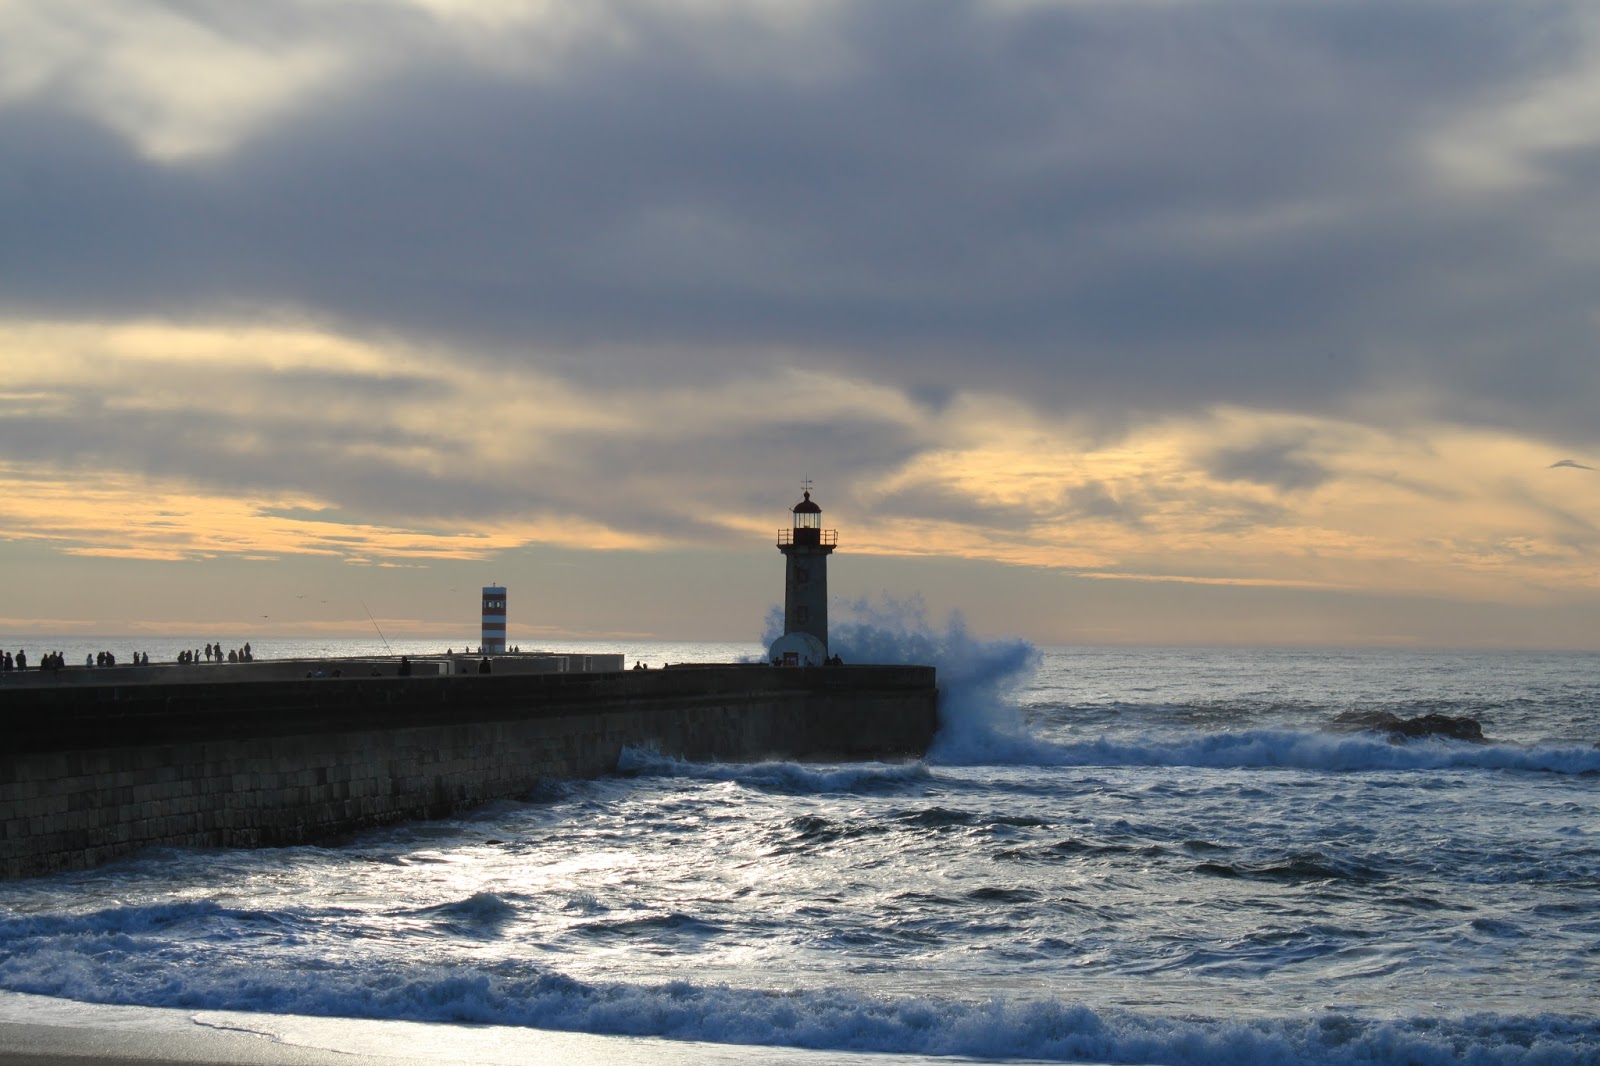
<point x="979" y="722"/>
<point x="775" y="776"/>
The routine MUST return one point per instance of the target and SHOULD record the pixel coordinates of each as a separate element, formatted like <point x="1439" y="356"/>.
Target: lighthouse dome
<point x="805" y="506"/>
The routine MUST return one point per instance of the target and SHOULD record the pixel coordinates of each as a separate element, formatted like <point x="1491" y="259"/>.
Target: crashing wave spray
<point x="978" y="720"/>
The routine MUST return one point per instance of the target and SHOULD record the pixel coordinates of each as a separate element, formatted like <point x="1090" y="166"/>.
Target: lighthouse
<point x="493" y="639"/>
<point x="805" y="547"/>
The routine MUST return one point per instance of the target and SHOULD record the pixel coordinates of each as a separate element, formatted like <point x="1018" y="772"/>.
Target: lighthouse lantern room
<point x="805" y="547"/>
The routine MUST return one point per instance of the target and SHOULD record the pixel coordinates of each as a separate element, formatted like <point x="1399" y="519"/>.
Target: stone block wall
<point x="91" y="773"/>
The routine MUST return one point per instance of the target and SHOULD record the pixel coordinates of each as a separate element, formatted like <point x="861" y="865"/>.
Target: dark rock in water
<point x="1399" y="729"/>
<point x="1442" y="725"/>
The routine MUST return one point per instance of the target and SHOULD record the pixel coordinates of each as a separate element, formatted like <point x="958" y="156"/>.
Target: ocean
<point x="1111" y="855"/>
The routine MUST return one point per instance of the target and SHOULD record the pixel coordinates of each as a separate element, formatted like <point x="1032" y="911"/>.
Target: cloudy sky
<point x="1261" y="321"/>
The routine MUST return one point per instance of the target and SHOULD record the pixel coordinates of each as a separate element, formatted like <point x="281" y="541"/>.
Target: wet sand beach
<point x="57" y="1032"/>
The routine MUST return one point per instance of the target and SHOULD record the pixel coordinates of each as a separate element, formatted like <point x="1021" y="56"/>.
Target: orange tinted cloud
<point x="1439" y="510"/>
<point x="1222" y="496"/>
<point x="115" y="515"/>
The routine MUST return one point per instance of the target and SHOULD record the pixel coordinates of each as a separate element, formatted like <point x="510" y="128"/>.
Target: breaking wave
<point x="1287" y="749"/>
<point x="979" y="721"/>
<point x="73" y="964"/>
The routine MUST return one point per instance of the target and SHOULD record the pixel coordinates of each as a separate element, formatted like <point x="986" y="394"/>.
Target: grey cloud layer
<point x="333" y="435"/>
<point x="1101" y="207"/>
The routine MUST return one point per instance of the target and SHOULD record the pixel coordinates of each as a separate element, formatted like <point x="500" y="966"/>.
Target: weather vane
<point x="805" y="485"/>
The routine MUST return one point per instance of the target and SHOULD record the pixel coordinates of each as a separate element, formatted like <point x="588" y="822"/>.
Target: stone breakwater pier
<point x="91" y="769"/>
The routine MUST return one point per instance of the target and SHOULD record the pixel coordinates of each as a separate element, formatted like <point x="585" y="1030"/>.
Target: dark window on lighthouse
<point x="802" y="574"/>
<point x="802" y="615"/>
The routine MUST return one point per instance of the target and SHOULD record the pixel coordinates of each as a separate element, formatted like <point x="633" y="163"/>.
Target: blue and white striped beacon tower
<point x="494" y="620"/>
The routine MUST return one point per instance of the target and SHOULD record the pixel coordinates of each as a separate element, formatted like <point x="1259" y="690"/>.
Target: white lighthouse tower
<point x="805" y="547"/>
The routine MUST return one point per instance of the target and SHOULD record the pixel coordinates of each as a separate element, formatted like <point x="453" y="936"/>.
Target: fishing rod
<point x="381" y="637"/>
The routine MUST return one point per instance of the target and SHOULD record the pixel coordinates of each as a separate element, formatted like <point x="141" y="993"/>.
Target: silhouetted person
<point x="22" y="659"/>
<point x="483" y="667"/>
<point x="405" y="667"/>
